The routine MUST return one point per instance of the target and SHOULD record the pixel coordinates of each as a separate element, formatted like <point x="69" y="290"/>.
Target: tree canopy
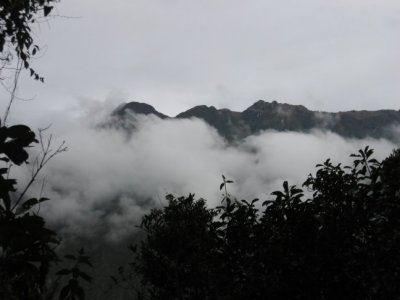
<point x="26" y="245"/>
<point x="339" y="242"/>
<point x="16" y="20"/>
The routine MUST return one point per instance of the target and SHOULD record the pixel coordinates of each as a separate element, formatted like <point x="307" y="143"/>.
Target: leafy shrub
<point x="339" y="243"/>
<point x="26" y="245"/>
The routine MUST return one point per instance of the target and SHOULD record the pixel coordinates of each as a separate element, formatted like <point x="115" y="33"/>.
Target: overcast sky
<point x="175" y="54"/>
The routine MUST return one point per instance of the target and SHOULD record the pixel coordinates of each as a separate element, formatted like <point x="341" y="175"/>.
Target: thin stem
<point x="47" y="155"/>
<point x="13" y="91"/>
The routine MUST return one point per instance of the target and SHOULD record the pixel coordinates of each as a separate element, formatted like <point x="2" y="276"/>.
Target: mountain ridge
<point x="263" y="115"/>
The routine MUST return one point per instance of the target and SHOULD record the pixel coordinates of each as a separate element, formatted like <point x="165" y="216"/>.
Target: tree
<point x="339" y="243"/>
<point x="16" y="20"/>
<point x="186" y="269"/>
<point x="26" y="245"/>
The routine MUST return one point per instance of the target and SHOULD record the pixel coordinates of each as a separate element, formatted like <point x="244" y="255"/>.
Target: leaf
<point x="7" y="202"/>
<point x="64" y="292"/>
<point x="85" y="260"/>
<point x="71" y="257"/>
<point x="16" y="154"/>
<point x="221" y="186"/>
<point x="20" y="131"/>
<point x="47" y="10"/>
<point x="35" y="50"/>
<point x="114" y="279"/>
<point x="133" y="248"/>
<point x="85" y="276"/>
<point x="255" y="200"/>
<point x="63" y="272"/>
<point x="277" y="193"/>
<point x="286" y="187"/>
<point x="246" y="202"/>
<point x="78" y="291"/>
<point x="32" y="202"/>
<point x="23" y="56"/>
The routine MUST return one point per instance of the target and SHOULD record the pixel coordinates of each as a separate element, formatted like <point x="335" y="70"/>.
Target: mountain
<point x="264" y="115"/>
<point x="137" y="108"/>
<point x="229" y="124"/>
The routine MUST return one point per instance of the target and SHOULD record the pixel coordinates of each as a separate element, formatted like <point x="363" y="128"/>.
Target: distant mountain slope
<point x="228" y="123"/>
<point x="137" y="108"/>
<point x="281" y="117"/>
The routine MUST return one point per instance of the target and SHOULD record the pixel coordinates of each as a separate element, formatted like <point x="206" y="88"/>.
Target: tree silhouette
<point x="26" y="245"/>
<point x="340" y="242"/>
<point x="16" y="20"/>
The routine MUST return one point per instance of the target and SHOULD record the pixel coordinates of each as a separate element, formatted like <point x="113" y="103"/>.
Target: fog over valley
<point x="109" y="178"/>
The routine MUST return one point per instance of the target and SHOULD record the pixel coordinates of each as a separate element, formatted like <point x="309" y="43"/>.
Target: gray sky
<point x="174" y="54"/>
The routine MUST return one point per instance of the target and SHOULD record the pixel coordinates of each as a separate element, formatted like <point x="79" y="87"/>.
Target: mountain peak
<point x="263" y="115"/>
<point x="197" y="110"/>
<point x="274" y="105"/>
<point x="137" y="108"/>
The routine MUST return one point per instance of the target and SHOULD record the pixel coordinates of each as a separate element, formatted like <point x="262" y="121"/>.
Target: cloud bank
<point x="107" y="180"/>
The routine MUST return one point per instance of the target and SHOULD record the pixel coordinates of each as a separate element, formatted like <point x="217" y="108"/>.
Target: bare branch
<point x="40" y="194"/>
<point x="46" y="154"/>
<point x="13" y="91"/>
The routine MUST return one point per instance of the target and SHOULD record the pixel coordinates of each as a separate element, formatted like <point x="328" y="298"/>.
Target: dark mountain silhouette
<point x="264" y="115"/>
<point x="228" y="123"/>
<point x="137" y="108"/>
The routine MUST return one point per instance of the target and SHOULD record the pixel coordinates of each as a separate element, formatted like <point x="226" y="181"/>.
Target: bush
<point x="26" y="245"/>
<point x="341" y="242"/>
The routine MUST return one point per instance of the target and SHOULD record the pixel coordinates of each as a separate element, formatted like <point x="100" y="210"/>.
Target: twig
<point x="40" y="194"/>
<point x="46" y="155"/>
<point x="13" y="91"/>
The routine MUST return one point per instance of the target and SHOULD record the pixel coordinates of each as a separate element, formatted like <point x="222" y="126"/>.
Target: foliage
<point x="189" y="225"/>
<point x="26" y="245"/>
<point x="73" y="290"/>
<point x="16" y="19"/>
<point x="341" y="242"/>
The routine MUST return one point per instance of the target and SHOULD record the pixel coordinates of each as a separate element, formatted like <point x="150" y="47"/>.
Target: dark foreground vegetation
<point x="340" y="242"/>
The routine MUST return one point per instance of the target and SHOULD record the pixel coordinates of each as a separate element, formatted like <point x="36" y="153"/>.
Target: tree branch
<point x="41" y="160"/>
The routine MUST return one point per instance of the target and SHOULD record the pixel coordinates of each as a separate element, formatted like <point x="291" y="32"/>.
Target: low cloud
<point x="107" y="180"/>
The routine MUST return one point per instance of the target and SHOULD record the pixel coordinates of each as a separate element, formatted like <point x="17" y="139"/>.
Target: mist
<point x="108" y="179"/>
